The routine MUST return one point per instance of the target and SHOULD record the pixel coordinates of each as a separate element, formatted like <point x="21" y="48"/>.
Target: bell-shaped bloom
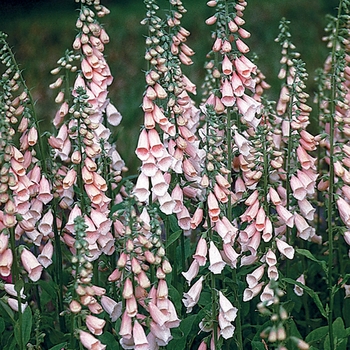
<point x="128" y="290"/>
<point x="197" y="218"/>
<point x="126" y="326"/>
<point x="141" y="189"/>
<point x="237" y="85"/>
<point x="229" y="311"/>
<point x="90" y="342"/>
<point x="285" y="248"/>
<point x="226" y="66"/>
<point x="131" y="306"/>
<point x="306" y="209"/>
<point x="113" y="309"/>
<point x="299" y="191"/>
<point x="215" y="259"/>
<point x="285" y="215"/>
<point x="184" y="219"/>
<point x="192" y="272"/>
<point x="167" y="204"/>
<point x="267" y="295"/>
<point x="213" y="207"/>
<point x="268" y="230"/>
<point x="223" y="231"/>
<point x="113" y="115"/>
<point x="143" y="147"/>
<point x="159" y="185"/>
<point x="250" y="293"/>
<point x="260" y="219"/>
<point x="32" y="136"/>
<point x="192" y="296"/>
<point x="44" y="194"/>
<point x="270" y="258"/>
<point x="254" y="277"/>
<point x="156" y="146"/>
<point x="201" y="252"/>
<point x="45" y="225"/>
<point x="230" y="255"/>
<point x="157" y="315"/>
<point x="272" y="273"/>
<point x="161" y="333"/>
<point x="95" y="324"/>
<point x="228" y="98"/>
<point x="226" y="328"/>
<point x="304" y="230"/>
<point x="31" y="265"/>
<point x="45" y="257"/>
<point x="139" y="336"/>
<point x="242" y="143"/>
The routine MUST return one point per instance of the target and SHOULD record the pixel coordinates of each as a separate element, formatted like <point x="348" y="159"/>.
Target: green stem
<point x="58" y="267"/>
<point x="331" y="188"/>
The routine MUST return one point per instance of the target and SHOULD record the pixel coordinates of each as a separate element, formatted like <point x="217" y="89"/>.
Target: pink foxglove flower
<point x="192" y="296"/>
<point x="271" y="259"/>
<point x="140" y="339"/>
<point x="95" y="324"/>
<point x="125" y="329"/>
<point x="229" y="311"/>
<point x="90" y="342"/>
<point x="254" y="277"/>
<point x="113" y="309"/>
<point x="285" y="248"/>
<point x="267" y="295"/>
<point x="250" y="293"/>
<point x="215" y="259"/>
<point x="306" y="209"/>
<point x="31" y="265"/>
<point x="45" y="257"/>
<point x="286" y="216"/>
<point x="272" y="273"/>
<point x="192" y="272"/>
<point x="201" y="252"/>
<point x="226" y="327"/>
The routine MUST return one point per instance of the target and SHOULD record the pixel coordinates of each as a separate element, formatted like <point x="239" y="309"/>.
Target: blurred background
<point x="41" y="30"/>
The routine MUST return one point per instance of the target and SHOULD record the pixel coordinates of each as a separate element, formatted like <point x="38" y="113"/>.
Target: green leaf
<point x="310" y="256"/>
<point x="23" y="327"/>
<point x="27" y="320"/>
<point x="173" y="238"/>
<point x="108" y="339"/>
<point x="2" y="325"/>
<point x="340" y="334"/>
<point x="59" y="346"/>
<point x="7" y="312"/>
<point x="312" y="294"/>
<point x="316" y="336"/>
<point x="186" y="324"/>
